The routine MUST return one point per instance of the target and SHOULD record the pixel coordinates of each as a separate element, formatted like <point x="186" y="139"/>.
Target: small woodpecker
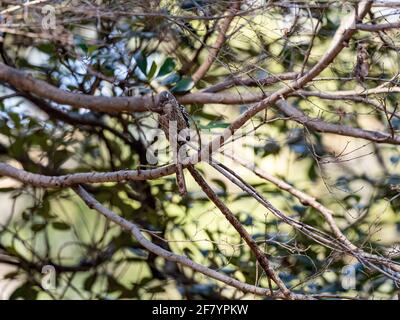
<point x="362" y="66"/>
<point x="172" y="120"/>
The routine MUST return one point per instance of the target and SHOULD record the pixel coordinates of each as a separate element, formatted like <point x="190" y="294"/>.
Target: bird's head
<point x="166" y="101"/>
<point x="362" y="46"/>
<point x="165" y="97"/>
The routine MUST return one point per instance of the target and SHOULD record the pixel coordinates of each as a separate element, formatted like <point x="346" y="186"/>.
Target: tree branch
<point x="260" y="256"/>
<point x="342" y="36"/>
<point x="322" y="126"/>
<point x="377" y="27"/>
<point x="214" y="50"/>
<point x="43" y="181"/>
<point x="28" y="84"/>
<point x="135" y="231"/>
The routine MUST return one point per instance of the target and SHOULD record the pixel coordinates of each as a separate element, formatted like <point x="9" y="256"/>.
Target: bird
<point x="362" y="66"/>
<point x="173" y="119"/>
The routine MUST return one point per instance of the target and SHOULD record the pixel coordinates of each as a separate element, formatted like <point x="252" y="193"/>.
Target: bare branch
<point x="377" y="27"/>
<point x="342" y="35"/>
<point x="135" y="231"/>
<point x="214" y="50"/>
<point x="322" y="126"/>
<point x="261" y="257"/>
<point x="27" y="83"/>
<point x="38" y="180"/>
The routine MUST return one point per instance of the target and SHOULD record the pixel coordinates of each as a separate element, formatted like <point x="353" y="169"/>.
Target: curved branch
<point x="28" y="84"/>
<point x="322" y="126"/>
<point x="67" y="180"/>
<point x="377" y="27"/>
<point x="135" y="231"/>
<point x="214" y="50"/>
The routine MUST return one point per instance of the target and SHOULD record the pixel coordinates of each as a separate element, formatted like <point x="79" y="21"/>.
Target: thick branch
<point x="28" y="84"/>
<point x="43" y="181"/>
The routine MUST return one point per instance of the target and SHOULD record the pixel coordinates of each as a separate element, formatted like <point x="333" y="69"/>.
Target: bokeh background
<point x="141" y="45"/>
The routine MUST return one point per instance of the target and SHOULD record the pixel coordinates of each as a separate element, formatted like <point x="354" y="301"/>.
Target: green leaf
<point x="215" y="124"/>
<point x="11" y="275"/>
<point x="92" y="48"/>
<point x="156" y="289"/>
<point x="89" y="282"/>
<point x="37" y="227"/>
<point x="299" y="209"/>
<point x="122" y="240"/>
<point x="60" y="156"/>
<point x="60" y="226"/>
<point x="11" y="250"/>
<point x="167" y="67"/>
<point x="183" y="85"/>
<point x="248" y="221"/>
<point x="84" y="47"/>
<point x="207" y="116"/>
<point x="46" y="48"/>
<point x="152" y="71"/>
<point x="169" y="79"/>
<point x="26" y="291"/>
<point x="220" y="183"/>
<point x="107" y="70"/>
<point x="114" y="285"/>
<point x="44" y="210"/>
<point x="141" y="62"/>
<point x="312" y="172"/>
<point x="271" y="147"/>
<point x="15" y="117"/>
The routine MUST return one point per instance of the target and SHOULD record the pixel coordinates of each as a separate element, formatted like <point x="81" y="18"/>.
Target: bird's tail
<point x="180" y="180"/>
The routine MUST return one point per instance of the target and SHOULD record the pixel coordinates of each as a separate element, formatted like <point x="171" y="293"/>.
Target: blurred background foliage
<point x="132" y="55"/>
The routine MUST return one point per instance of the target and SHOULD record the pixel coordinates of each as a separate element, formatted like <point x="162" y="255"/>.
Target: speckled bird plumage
<point x="172" y="111"/>
<point x="361" y="69"/>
